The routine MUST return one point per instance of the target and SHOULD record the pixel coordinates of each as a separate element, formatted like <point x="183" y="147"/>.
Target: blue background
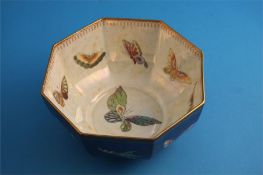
<point x="226" y="140"/>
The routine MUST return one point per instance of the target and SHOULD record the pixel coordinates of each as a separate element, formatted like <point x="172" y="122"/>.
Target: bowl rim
<point x="94" y="23"/>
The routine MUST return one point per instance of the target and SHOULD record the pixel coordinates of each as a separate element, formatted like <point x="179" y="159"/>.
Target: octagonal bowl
<point x="127" y="87"/>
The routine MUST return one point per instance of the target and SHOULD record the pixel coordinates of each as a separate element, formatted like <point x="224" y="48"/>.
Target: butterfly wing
<point x="64" y="88"/>
<point x="171" y="65"/>
<point x="112" y="117"/>
<point x="172" y="59"/>
<point x="183" y="77"/>
<point x="118" y="98"/>
<point x="142" y="120"/>
<point x="132" y="48"/>
<point x="137" y="47"/>
<point x="59" y="98"/>
<point x="125" y="126"/>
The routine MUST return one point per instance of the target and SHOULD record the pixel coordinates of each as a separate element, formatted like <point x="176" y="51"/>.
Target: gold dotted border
<point x="129" y="23"/>
<point x="182" y="40"/>
<point x="78" y="35"/>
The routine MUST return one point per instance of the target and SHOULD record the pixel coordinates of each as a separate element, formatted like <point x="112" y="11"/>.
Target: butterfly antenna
<point x="128" y="111"/>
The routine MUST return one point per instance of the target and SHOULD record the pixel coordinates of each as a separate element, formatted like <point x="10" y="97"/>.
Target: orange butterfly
<point x="135" y="52"/>
<point x="172" y="69"/>
<point x="63" y="94"/>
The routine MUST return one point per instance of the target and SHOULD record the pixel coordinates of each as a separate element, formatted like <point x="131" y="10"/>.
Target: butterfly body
<point x="172" y="69"/>
<point x="135" y="52"/>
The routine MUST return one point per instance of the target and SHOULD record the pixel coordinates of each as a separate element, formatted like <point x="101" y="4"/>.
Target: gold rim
<point x="71" y="38"/>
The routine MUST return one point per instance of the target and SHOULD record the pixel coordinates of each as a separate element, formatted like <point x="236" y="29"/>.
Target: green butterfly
<point x="117" y="105"/>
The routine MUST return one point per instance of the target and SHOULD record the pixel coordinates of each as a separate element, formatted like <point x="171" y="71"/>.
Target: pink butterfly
<point x="135" y="52"/>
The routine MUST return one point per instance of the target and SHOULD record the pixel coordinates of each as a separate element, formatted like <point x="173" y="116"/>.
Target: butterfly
<point x="135" y="52"/>
<point x="116" y="103"/>
<point x="63" y="94"/>
<point x="172" y="69"/>
<point x="89" y="61"/>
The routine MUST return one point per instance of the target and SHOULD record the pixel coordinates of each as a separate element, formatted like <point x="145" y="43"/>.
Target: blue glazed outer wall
<point x="177" y="130"/>
<point x="141" y="148"/>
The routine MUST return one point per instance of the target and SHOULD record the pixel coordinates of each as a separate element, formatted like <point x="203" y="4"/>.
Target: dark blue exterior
<point x="139" y="148"/>
<point x="177" y="130"/>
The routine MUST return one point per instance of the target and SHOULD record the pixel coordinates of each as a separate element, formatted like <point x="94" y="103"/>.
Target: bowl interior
<point x="124" y="78"/>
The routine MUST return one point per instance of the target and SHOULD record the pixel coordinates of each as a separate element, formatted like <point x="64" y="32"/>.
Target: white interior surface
<point x="150" y="91"/>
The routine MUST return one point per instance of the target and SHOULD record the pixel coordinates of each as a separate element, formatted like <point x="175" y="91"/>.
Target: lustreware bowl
<point x="128" y="87"/>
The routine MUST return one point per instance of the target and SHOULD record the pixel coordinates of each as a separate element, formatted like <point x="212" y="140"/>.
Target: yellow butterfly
<point x="89" y="61"/>
<point x="63" y="94"/>
<point x="172" y="69"/>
